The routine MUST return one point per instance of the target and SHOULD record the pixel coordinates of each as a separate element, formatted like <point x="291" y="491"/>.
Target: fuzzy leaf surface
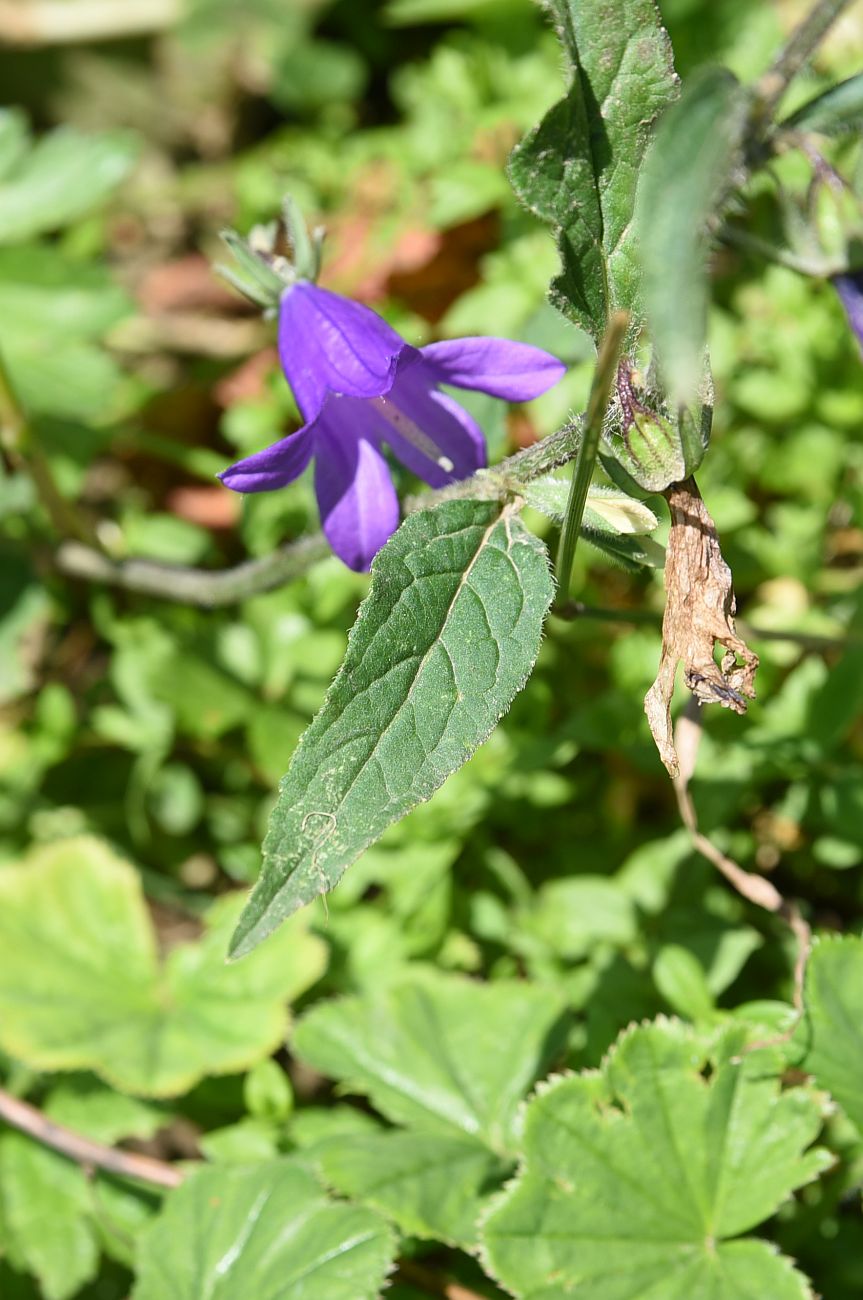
<point x="266" y="1231"/>
<point x="634" y="1177"/>
<point x="443" y="642"/>
<point x="578" y="169"/>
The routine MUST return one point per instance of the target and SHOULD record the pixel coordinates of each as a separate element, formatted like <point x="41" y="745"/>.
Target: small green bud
<point x="653" y="448"/>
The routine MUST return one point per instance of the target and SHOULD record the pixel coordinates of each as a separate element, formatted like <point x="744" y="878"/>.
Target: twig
<point x="797" y="51"/>
<point x="434" y="1283"/>
<point x="206" y="588"/>
<point x="58" y="22"/>
<point x="209" y="588"/>
<point x="27" y="1119"/>
<point x="754" y="888"/>
<point x="585" y="458"/>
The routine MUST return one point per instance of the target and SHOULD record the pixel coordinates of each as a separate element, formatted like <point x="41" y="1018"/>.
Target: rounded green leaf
<point x="634" y="1177"/>
<point x="82" y="985"/>
<point x="263" y="1232"/>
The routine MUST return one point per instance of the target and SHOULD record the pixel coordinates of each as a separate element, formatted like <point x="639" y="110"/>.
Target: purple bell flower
<point x="850" y="289"/>
<point x="359" y="385"/>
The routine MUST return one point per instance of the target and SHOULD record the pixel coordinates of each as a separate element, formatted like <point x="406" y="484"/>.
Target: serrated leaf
<point x="634" y="1177"/>
<point x="266" y="1231"/>
<point x="82" y="987"/>
<point x="62" y="177"/>
<point x="832" y="1028"/>
<point x="442" y="1053"/>
<point x="429" y="1184"/>
<point x="443" y="642"/>
<point x="578" y="169"/>
<point x="688" y="175"/>
<point x="835" y="111"/>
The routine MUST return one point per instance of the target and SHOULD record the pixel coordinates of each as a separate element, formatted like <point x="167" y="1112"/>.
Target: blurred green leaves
<point x="63" y="176"/>
<point x="687" y="179"/>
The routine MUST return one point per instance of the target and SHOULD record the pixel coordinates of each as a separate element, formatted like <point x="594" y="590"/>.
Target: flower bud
<point x="653" y="448"/>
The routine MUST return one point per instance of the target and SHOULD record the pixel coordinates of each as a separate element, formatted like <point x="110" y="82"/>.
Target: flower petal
<point x="274" y="467"/>
<point x="429" y="432"/>
<point x="358" y="503"/>
<point x="850" y="290"/>
<point x="329" y="344"/>
<point x="514" y="371"/>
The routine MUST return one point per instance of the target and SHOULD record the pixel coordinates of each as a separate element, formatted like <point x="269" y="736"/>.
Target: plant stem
<point x="16" y="439"/>
<point x="585" y="460"/>
<point x="27" y="1119"/>
<point x="797" y="51"/>
<point x="211" y="588"/>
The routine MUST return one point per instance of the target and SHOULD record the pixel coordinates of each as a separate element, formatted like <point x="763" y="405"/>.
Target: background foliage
<point x="362" y="1074"/>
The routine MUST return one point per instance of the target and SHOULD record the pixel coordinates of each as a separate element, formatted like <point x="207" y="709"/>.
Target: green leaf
<point x="443" y="642"/>
<point x="440" y="1052"/>
<point x="46" y="1209"/>
<point x="430" y="1184"/>
<point x="60" y="309"/>
<point x="833" y="112"/>
<point x="62" y="177"/>
<point x="686" y="180"/>
<point x="82" y="987"/>
<point x="833" y="1026"/>
<point x="266" y="1231"/>
<point x="634" y="1177"/>
<point x="578" y="169"/>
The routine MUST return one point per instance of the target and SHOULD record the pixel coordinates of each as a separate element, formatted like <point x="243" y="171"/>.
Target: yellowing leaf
<point x="82" y="985"/>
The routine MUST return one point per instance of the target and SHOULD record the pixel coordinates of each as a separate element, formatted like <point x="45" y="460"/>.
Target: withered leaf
<point x="699" y="615"/>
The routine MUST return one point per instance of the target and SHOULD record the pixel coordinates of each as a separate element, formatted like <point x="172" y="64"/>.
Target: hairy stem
<point x="585" y="458"/>
<point x="797" y="51"/>
<point x="27" y="1119"/>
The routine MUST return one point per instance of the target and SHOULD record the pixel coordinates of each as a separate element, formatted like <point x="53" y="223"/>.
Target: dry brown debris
<point x="699" y="615"/>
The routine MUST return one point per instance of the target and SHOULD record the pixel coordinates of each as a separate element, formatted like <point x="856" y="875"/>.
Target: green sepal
<point x="653" y="447"/>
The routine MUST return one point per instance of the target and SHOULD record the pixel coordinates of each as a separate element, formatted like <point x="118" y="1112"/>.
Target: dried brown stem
<point x="27" y="1119"/>
<point x="754" y="888"/>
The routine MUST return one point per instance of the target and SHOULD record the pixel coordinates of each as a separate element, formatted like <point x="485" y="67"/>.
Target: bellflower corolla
<point x="849" y="286"/>
<point x="359" y="385"/>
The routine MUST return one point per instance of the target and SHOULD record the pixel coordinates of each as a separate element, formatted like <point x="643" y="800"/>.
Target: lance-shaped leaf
<point x="833" y="1026"/>
<point x="836" y="111"/>
<point x="635" y="1178"/>
<point x="262" y="1232"/>
<point x="443" y="642"/>
<point x="578" y="169"/>
<point x="687" y="178"/>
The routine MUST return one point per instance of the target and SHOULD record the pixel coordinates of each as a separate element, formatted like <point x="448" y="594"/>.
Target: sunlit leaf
<point x="635" y="1177"/>
<point x="266" y="1231"/>
<point x="445" y="639"/>
<point x="82" y="986"/>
